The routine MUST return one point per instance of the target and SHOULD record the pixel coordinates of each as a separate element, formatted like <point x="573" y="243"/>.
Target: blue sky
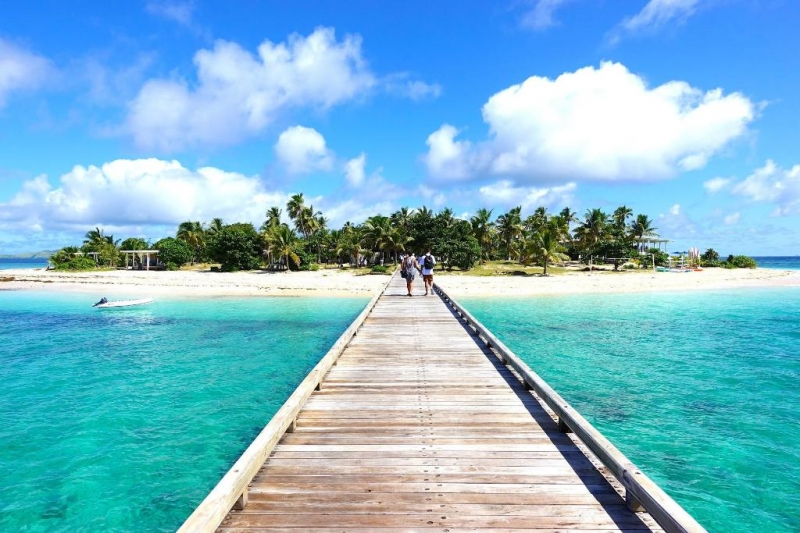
<point x="135" y="116"/>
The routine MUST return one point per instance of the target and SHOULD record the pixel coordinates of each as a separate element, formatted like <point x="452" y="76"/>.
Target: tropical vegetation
<point x="299" y="238"/>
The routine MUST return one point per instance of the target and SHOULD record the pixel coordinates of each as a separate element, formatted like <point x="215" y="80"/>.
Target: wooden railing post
<point x="241" y="502"/>
<point x="641" y="493"/>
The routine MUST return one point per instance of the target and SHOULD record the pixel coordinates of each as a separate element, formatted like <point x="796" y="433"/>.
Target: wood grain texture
<point x="420" y="427"/>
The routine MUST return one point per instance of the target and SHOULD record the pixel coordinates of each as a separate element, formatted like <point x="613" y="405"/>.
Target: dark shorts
<point x="427" y="277"/>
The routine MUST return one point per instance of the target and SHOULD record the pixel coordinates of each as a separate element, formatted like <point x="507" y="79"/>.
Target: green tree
<point x="456" y="246"/>
<point x="193" y="234"/>
<point x="510" y="230"/>
<point x="273" y="218"/>
<point x="236" y="247"/>
<point x="543" y="247"/>
<point x="350" y="243"/>
<point x="173" y="252"/>
<point x="592" y="231"/>
<point x="282" y="241"/>
<point x="483" y="229"/>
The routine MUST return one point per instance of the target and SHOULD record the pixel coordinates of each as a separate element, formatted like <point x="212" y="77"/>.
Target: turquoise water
<point x="782" y="263"/>
<point x="123" y="420"/>
<point x="701" y="390"/>
<point x="6" y="264"/>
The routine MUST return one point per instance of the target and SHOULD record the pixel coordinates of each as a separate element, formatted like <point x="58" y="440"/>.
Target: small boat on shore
<point x="103" y="303"/>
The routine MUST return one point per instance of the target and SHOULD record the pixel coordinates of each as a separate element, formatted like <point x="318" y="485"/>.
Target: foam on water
<point x="699" y="389"/>
<point x="123" y="420"/>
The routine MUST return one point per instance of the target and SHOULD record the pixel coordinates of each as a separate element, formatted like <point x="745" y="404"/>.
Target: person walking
<point x="410" y="266"/>
<point x="427" y="261"/>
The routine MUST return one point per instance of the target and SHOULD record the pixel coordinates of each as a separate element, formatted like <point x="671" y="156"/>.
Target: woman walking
<point x="410" y="267"/>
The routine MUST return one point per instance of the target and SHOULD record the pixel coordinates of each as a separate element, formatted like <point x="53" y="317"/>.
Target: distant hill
<point x="44" y="254"/>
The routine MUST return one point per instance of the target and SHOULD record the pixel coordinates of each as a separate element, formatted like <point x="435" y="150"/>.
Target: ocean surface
<point x="124" y="419"/>
<point x="6" y="264"/>
<point x="701" y="390"/>
<point x="782" y="263"/>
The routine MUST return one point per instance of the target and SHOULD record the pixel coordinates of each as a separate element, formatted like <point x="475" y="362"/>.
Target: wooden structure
<point x="142" y="255"/>
<point x="420" y="419"/>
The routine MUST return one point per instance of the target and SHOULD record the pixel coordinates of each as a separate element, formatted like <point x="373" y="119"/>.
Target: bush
<point x="173" y="251"/>
<point x="742" y="261"/>
<point x="236" y="247"/>
<point x="172" y="266"/>
<point x="379" y="269"/>
<point x="313" y="267"/>
<point x="77" y="263"/>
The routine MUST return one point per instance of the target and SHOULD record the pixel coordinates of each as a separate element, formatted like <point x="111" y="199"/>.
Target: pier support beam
<point x="241" y="503"/>
<point x="562" y="426"/>
<point x="632" y="503"/>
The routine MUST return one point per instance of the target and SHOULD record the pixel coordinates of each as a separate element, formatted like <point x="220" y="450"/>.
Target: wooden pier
<point x="413" y="422"/>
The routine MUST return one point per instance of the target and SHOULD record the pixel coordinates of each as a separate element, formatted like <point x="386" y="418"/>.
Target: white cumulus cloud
<point x="135" y="193"/>
<point x="775" y="185"/>
<point x="303" y="150"/>
<point x="237" y="93"/>
<point x="594" y="124"/>
<point x="21" y="69"/>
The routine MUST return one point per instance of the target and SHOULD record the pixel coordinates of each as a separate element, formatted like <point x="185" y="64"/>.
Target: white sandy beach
<point x="344" y="283"/>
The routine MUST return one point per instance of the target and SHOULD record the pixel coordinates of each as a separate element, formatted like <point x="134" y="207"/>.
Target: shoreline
<point x="342" y="283"/>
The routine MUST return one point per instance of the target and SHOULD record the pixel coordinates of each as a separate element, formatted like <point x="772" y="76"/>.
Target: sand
<point x="332" y="282"/>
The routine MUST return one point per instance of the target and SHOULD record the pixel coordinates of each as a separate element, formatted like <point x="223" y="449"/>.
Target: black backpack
<point x="428" y="262"/>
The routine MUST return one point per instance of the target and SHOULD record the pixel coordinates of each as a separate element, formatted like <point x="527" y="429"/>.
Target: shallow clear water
<point x="701" y="390"/>
<point x="123" y="420"/>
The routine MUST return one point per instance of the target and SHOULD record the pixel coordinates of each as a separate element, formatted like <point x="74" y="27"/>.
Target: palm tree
<point x="537" y="220"/>
<point x="482" y="230"/>
<point x="214" y="227"/>
<point x="620" y="217"/>
<point x="401" y="219"/>
<point x="378" y="232"/>
<point x="192" y="234"/>
<point x="349" y="243"/>
<point x="544" y="245"/>
<point x="509" y="227"/>
<point x="96" y="237"/>
<point x="592" y="230"/>
<point x="295" y="208"/>
<point x="424" y="212"/>
<point x="282" y="241"/>
<point x="273" y="218"/>
<point x="642" y="226"/>
<point x="446" y="217"/>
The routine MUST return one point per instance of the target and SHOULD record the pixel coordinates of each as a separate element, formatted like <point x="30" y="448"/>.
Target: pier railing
<point x="640" y="491"/>
<point x="231" y="491"/>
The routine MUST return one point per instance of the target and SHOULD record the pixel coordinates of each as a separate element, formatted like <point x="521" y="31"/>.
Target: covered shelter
<point x="646" y="242"/>
<point x="140" y="258"/>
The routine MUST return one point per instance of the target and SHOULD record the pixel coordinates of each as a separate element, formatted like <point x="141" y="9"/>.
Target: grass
<point x="503" y="268"/>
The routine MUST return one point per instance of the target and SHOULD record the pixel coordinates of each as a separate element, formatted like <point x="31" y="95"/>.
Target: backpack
<point x="428" y="262"/>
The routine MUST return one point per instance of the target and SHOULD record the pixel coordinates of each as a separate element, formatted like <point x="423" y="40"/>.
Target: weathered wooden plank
<point x="419" y="427"/>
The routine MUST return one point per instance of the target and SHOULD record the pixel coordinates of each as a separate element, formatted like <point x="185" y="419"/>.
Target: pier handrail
<point x="640" y="490"/>
<point x="231" y="491"/>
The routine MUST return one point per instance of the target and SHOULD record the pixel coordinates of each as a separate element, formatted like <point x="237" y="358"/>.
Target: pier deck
<point x="419" y="426"/>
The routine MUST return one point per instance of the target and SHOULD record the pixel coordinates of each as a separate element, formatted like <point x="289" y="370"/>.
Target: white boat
<point x="121" y="303"/>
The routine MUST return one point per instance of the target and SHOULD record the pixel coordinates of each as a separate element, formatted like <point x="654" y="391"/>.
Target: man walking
<point x="427" y="262"/>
